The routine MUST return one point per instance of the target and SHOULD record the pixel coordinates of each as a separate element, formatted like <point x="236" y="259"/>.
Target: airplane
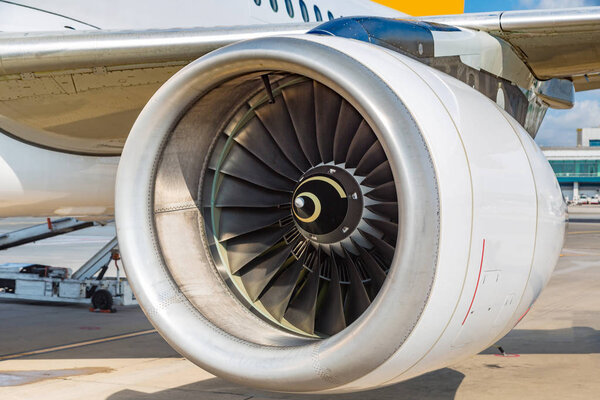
<point x="310" y="196"/>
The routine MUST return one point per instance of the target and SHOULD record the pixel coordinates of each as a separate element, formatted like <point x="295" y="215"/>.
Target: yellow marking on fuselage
<point x="422" y="8"/>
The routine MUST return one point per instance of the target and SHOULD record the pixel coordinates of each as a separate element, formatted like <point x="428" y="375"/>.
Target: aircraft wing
<point x="68" y="50"/>
<point x="61" y="90"/>
<point x="553" y="43"/>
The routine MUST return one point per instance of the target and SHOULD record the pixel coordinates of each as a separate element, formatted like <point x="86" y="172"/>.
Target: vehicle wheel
<point x="102" y="299"/>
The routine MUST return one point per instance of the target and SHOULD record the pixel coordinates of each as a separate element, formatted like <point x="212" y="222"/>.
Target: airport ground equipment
<point x="87" y="285"/>
<point x="42" y="231"/>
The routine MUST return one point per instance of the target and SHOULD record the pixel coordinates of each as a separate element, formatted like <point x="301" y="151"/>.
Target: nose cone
<point x="299" y="202"/>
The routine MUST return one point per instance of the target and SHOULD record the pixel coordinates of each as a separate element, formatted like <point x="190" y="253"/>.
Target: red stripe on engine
<point x="524" y="314"/>
<point x="476" y="286"/>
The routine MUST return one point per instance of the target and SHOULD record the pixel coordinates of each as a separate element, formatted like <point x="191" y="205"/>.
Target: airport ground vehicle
<point x="87" y="285"/>
<point x="44" y="283"/>
<point x="583" y="199"/>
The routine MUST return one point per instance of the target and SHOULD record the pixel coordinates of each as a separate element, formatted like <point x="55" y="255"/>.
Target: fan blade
<point x="363" y="139"/>
<point x="389" y="229"/>
<point x="301" y="310"/>
<point x="234" y="221"/>
<point x="241" y="164"/>
<point x="357" y="299"/>
<point x="276" y="118"/>
<point x="330" y="316"/>
<point x="255" y="138"/>
<point x="385" y="250"/>
<point x="327" y="108"/>
<point x="277" y="297"/>
<point x="389" y="210"/>
<point x="376" y="273"/>
<point x="234" y="192"/>
<point x="380" y="175"/>
<point x="348" y="122"/>
<point x="245" y="248"/>
<point x="301" y="105"/>
<point x="374" y="157"/>
<point x="385" y="192"/>
<point x="257" y="274"/>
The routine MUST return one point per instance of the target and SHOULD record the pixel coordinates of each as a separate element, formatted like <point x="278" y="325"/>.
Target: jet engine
<point x="318" y="214"/>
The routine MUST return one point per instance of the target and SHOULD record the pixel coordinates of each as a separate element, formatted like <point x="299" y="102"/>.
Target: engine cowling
<point x="317" y="214"/>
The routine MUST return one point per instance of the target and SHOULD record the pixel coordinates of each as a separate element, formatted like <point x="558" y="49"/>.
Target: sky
<point x="560" y="126"/>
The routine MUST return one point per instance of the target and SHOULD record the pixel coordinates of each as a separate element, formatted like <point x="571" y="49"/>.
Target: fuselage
<point x="37" y="15"/>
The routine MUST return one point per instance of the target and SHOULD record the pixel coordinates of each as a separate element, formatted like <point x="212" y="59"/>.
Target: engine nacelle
<point x="318" y="214"/>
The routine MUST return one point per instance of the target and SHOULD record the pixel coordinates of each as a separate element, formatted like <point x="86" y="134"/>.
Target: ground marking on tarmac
<point x="73" y="345"/>
<point x="581" y="232"/>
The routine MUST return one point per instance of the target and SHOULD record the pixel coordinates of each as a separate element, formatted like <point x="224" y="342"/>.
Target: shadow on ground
<point x="576" y="340"/>
<point x="437" y="385"/>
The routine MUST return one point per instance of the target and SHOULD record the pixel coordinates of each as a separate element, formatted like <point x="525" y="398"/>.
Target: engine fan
<point x="301" y="203"/>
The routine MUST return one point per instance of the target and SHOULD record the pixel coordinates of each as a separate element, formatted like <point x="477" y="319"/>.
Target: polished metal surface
<point x="554" y="43"/>
<point x="51" y="51"/>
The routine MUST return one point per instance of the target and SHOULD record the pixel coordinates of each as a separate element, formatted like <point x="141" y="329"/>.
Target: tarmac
<point x="66" y="352"/>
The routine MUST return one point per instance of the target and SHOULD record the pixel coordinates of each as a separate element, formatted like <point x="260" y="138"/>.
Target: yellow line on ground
<point x="73" y="345"/>
<point x="581" y="232"/>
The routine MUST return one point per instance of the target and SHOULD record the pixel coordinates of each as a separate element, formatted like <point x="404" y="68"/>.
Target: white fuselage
<point x="39" y="15"/>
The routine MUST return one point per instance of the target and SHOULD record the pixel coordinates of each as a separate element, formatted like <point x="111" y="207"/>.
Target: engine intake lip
<point x="316" y="365"/>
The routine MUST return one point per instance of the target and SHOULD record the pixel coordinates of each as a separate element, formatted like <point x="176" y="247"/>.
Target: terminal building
<point x="577" y="168"/>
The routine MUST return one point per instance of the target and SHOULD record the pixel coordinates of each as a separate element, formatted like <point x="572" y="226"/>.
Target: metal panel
<point x="30" y="287"/>
<point x="554" y="43"/>
<point x="37" y="52"/>
<point x="72" y="290"/>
